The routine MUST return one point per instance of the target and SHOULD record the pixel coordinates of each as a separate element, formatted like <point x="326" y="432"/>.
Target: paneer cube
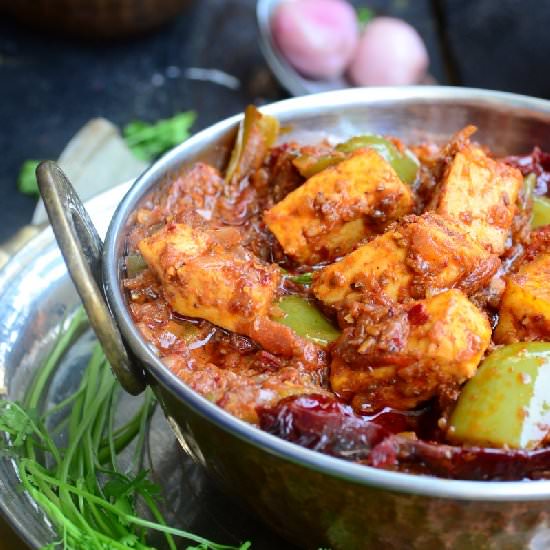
<point x="377" y="267"/>
<point x="443" y="339"/>
<point x="421" y="256"/>
<point x="525" y="306"/>
<point x="333" y="210"/>
<point x="480" y="193"/>
<point x="207" y="274"/>
<point x="173" y="246"/>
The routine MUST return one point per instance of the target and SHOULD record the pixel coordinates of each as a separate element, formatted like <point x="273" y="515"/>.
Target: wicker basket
<point x="94" y="18"/>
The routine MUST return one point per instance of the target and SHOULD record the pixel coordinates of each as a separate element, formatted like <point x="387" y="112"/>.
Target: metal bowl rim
<point x="363" y="475"/>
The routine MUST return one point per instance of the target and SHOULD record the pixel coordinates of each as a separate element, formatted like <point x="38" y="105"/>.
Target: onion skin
<point x="317" y="37"/>
<point x="390" y="53"/>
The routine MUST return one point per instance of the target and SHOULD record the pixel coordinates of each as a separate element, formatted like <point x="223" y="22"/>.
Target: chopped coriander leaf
<point x="364" y="15"/>
<point x="148" y="141"/>
<point x="26" y="181"/>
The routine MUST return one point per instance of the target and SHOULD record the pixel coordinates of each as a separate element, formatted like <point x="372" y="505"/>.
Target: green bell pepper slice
<point x="405" y="164"/>
<point x="302" y="278"/>
<point x="135" y="264"/>
<point x="257" y="134"/>
<point x="529" y="183"/>
<point x="507" y="402"/>
<point x="541" y="211"/>
<point x="306" y="320"/>
<point x="541" y="205"/>
<point x="309" y="165"/>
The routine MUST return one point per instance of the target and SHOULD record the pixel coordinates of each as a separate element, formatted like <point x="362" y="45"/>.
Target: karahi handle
<point x="82" y="247"/>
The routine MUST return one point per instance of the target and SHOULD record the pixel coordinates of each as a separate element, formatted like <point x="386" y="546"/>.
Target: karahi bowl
<point x="312" y="499"/>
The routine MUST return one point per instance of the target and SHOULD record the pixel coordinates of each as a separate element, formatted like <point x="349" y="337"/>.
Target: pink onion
<point x="390" y="53"/>
<point x="317" y="37"/>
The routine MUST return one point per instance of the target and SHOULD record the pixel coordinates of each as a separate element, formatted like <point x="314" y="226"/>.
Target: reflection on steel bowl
<point x="329" y="401"/>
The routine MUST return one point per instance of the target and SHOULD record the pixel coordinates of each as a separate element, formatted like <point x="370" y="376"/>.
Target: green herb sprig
<point x="148" y="141"/>
<point x="365" y="15"/>
<point x="80" y="487"/>
<point x="26" y="180"/>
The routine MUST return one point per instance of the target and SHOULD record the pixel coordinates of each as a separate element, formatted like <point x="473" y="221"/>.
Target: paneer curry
<point x="381" y="302"/>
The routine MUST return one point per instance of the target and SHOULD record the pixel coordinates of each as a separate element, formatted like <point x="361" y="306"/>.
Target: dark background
<point x="51" y="85"/>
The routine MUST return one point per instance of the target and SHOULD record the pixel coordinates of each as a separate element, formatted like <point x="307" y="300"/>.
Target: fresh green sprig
<point x="26" y="180"/>
<point x="364" y="15"/>
<point x="80" y="487"/>
<point x="148" y="141"/>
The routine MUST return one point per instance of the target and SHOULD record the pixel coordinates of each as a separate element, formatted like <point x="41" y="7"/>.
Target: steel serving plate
<point x="36" y="296"/>
<point x="313" y="499"/>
